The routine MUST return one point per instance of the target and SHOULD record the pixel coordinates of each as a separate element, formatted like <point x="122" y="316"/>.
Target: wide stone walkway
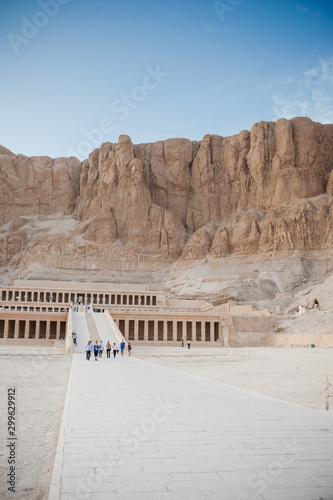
<point x="134" y="430"/>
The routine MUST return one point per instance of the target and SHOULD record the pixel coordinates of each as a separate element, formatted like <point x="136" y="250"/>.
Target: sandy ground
<point x="292" y="374"/>
<point x="40" y="384"/>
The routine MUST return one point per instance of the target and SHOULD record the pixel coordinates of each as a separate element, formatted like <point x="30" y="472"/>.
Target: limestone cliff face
<point x="37" y="186"/>
<point x="267" y="190"/>
<point x="115" y="187"/>
<point x="155" y="194"/>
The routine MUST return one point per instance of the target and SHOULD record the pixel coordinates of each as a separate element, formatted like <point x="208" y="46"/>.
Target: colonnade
<point x="37" y="328"/>
<point x="66" y="297"/>
<point x="168" y="330"/>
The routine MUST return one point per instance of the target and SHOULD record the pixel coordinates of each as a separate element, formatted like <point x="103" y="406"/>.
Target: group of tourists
<point x="98" y="349"/>
<point x="76" y="305"/>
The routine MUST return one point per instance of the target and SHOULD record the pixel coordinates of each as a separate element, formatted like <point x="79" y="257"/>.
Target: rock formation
<point x="37" y="186"/>
<point x="146" y="206"/>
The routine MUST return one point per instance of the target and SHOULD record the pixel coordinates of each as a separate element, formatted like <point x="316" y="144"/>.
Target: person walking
<point x="88" y="350"/>
<point x="114" y="348"/>
<point x="122" y="347"/>
<point x="101" y="348"/>
<point x="108" y="349"/>
<point x="182" y="342"/>
<point x="188" y="344"/>
<point x="129" y="347"/>
<point x="96" y="350"/>
<point x="74" y="339"/>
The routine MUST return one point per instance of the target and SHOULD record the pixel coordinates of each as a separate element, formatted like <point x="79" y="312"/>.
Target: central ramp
<point x="104" y="329"/>
<point x="133" y="430"/>
<point x="82" y="332"/>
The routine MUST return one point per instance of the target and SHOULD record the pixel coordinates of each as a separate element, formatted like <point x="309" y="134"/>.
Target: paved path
<point x="104" y="329"/>
<point x="133" y="430"/>
<point x="81" y="328"/>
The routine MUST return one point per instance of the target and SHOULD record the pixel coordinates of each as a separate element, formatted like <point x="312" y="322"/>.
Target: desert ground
<point x="292" y="374"/>
<point x="40" y="384"/>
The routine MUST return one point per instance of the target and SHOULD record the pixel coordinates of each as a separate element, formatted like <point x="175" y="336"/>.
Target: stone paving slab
<point x="135" y="430"/>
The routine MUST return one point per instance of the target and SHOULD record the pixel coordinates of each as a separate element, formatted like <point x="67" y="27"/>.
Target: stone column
<point x="136" y="329"/>
<point x="145" y="334"/>
<point x="16" y="331"/>
<point x="5" y="333"/>
<point x="37" y="328"/>
<point x="212" y="331"/>
<point x="48" y="325"/>
<point x="165" y="330"/>
<point x="203" y="331"/>
<point x="174" y="331"/>
<point x="126" y="334"/>
<point x="26" y="331"/>
<point x="155" y="330"/>
<point x="58" y="330"/>
<point x="184" y="336"/>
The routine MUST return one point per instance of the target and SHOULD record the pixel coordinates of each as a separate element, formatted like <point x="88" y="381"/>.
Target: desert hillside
<point x="247" y="216"/>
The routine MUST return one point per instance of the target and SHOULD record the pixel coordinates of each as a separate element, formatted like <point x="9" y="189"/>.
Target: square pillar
<point x="165" y="330"/>
<point x="155" y="330"/>
<point x="136" y="329"/>
<point x="174" y="331"/>
<point x="212" y="331"/>
<point x="37" y="328"/>
<point x="145" y="333"/>
<point x="58" y="330"/>
<point x="5" y="334"/>
<point x="16" y="331"/>
<point x="48" y="324"/>
<point x="26" y="331"/>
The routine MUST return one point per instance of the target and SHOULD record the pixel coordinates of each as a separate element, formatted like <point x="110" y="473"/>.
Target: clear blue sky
<point x="71" y="67"/>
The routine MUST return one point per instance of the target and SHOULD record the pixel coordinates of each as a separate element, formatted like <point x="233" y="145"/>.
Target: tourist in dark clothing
<point x="96" y="350"/>
<point x="108" y="349"/>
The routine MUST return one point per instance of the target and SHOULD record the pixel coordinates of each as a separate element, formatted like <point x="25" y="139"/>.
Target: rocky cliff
<point x="240" y="194"/>
<point x="147" y="206"/>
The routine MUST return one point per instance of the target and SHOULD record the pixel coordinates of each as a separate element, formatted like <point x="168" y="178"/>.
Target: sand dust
<point x="292" y="374"/>
<point x="40" y="384"/>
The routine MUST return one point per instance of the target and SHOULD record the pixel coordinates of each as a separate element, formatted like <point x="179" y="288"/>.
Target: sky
<point x="77" y="73"/>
